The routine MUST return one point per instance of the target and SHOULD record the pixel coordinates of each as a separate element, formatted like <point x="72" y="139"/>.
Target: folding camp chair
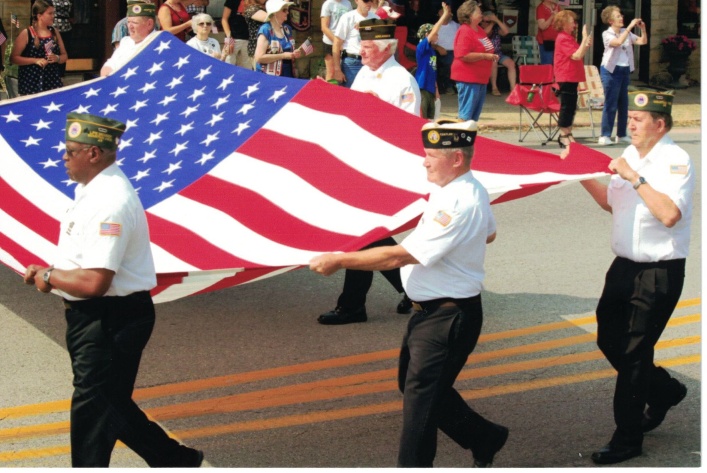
<point x="534" y="96"/>
<point x="525" y="49"/>
<point x="591" y="94"/>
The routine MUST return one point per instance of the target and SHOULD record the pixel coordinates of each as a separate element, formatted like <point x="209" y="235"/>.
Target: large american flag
<point x="242" y="175"/>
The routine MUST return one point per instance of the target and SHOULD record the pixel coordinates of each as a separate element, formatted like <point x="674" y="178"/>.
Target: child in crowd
<point x="426" y="74"/>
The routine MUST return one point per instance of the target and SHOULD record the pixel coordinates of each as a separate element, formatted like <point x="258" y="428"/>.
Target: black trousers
<point x="634" y="308"/>
<point x="105" y="337"/>
<point x="357" y="283"/>
<point x="435" y="348"/>
<point x="568" y="103"/>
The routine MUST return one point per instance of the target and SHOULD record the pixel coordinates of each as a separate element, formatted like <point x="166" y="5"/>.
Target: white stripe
<point x="20" y="176"/>
<point x="192" y="284"/>
<point x="231" y="236"/>
<point x="299" y="198"/>
<point x="361" y="150"/>
<point x="499" y="183"/>
<point x="166" y="262"/>
<point x="27" y="238"/>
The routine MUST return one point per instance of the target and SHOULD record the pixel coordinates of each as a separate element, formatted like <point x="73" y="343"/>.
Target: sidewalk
<point x="498" y="115"/>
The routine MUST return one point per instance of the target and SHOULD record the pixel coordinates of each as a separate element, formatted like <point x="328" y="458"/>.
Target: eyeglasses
<point x="367" y="1"/>
<point x="204" y="24"/>
<point x="71" y="153"/>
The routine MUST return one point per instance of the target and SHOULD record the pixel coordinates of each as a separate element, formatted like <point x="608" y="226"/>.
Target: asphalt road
<point x="250" y="377"/>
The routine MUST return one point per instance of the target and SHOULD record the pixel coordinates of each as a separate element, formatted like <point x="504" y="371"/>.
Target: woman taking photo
<point x="569" y="70"/>
<point x="616" y="67"/>
<point x="473" y="58"/>
<point x="275" y="52"/>
<point x="39" y="51"/>
<point x="173" y="17"/>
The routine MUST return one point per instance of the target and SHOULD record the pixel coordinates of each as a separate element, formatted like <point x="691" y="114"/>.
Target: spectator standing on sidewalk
<point x="445" y="54"/>
<point x="616" y="66"/>
<point x="235" y="28"/>
<point x="332" y="11"/>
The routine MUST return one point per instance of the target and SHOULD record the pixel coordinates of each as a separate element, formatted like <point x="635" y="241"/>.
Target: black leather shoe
<point x="655" y="415"/>
<point x="614" y="454"/>
<point x="495" y="440"/>
<point x="341" y="316"/>
<point x="405" y="305"/>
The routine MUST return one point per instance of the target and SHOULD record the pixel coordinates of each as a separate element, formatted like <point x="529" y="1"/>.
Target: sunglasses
<point x="204" y="24"/>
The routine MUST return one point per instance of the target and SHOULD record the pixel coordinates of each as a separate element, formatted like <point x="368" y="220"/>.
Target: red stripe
<point x="502" y="158"/>
<point x="22" y="210"/>
<point x="261" y="216"/>
<point x="190" y="247"/>
<point x="524" y="191"/>
<point x="20" y="253"/>
<point x="367" y="111"/>
<point x="317" y="166"/>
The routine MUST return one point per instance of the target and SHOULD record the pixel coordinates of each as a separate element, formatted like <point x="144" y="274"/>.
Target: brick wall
<point x="18" y="7"/>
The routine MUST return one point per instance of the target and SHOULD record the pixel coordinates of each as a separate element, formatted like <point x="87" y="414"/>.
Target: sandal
<point x="562" y="144"/>
<point x="495" y="92"/>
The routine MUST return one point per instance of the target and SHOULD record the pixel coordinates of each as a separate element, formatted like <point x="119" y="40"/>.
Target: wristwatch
<point x="47" y="275"/>
<point x="641" y="180"/>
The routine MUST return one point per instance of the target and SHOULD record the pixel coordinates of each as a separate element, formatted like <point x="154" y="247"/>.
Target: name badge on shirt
<point x="678" y="169"/>
<point x="443" y="218"/>
<point x="109" y="229"/>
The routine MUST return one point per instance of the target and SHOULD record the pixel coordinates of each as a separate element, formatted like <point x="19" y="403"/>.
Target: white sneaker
<point x="604" y="140"/>
<point x="624" y="139"/>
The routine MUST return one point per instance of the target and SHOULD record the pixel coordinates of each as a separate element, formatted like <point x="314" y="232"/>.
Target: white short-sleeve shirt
<point x="392" y="83"/>
<point x="347" y="31"/>
<point x="334" y="10"/>
<point x="450" y="243"/>
<point x="106" y="228"/>
<point x="126" y="50"/>
<point x="636" y="233"/>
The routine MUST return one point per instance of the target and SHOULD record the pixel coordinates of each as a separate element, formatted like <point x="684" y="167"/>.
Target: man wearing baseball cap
<point x="442" y="268"/>
<point x="104" y="272"/>
<point x="650" y="201"/>
<point x="141" y="24"/>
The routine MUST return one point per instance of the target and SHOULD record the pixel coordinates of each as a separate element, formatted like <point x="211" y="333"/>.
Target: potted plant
<point x="677" y="48"/>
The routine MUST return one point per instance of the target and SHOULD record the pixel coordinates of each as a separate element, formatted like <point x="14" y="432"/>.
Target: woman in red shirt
<point x="173" y="17"/>
<point x="569" y="70"/>
<point x="547" y="34"/>
<point x="473" y="58"/>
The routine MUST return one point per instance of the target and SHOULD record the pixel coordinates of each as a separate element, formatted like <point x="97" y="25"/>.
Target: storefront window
<point x="689" y="18"/>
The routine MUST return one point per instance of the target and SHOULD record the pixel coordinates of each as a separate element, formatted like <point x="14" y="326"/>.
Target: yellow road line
<point x="290" y="370"/>
<point x="334" y="388"/>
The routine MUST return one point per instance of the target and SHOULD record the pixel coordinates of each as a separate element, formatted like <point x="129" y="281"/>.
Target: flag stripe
<point x="261" y="216"/>
<point x="295" y="195"/>
<point x="20" y="208"/>
<point x="334" y="178"/>
<point x="366" y="111"/>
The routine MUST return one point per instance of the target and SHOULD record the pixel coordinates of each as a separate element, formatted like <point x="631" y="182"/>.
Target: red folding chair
<point x="534" y="96"/>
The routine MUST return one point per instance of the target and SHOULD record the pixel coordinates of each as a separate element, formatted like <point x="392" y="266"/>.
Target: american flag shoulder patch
<point x="443" y="218"/>
<point x="407" y="98"/>
<point x="678" y="169"/>
<point x="109" y="229"/>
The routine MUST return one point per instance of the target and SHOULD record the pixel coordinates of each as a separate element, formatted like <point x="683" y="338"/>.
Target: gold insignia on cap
<point x="433" y="137"/>
<point x="137" y="9"/>
<point x="641" y="100"/>
<point x="74" y="130"/>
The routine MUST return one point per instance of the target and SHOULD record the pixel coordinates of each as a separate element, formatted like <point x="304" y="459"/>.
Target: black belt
<point x="434" y="304"/>
<point x="98" y="303"/>
<point x="344" y="55"/>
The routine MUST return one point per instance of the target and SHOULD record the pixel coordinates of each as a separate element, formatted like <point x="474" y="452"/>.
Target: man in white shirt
<point x="382" y="76"/>
<point x="346" y="48"/>
<point x="442" y="267"/>
<point x="650" y="200"/>
<point x="445" y="54"/>
<point x="141" y="23"/>
<point x="104" y="271"/>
